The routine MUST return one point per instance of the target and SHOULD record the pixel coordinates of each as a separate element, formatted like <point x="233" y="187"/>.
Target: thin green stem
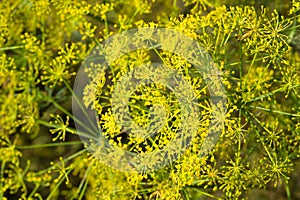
<point x="224" y="42"/>
<point x="174" y="3"/>
<point x="57" y="185"/>
<point x="106" y="31"/>
<point x="43" y="33"/>
<point x="241" y="65"/>
<point x="1" y="178"/>
<point x="275" y="111"/>
<point x="261" y="76"/>
<point x="247" y="61"/>
<point x="287" y="189"/>
<point x="204" y="193"/>
<point x="11" y="48"/>
<point x="68" y="129"/>
<point x="291" y="35"/>
<point x="37" y="185"/>
<point x="249" y="70"/>
<point x="271" y="93"/>
<point x="293" y="27"/>
<point x="83" y="190"/>
<point x="65" y="160"/>
<point x="69" y="114"/>
<point x="185" y="194"/>
<point x="241" y="90"/>
<point x="48" y="145"/>
<point x="80" y="105"/>
<point x="134" y="15"/>
<point x="260" y="138"/>
<point x="159" y="55"/>
<point x="75" y="155"/>
<point x="83" y="184"/>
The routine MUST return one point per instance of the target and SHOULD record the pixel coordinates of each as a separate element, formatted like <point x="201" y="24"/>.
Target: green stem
<point x="11" y="48"/>
<point x="75" y="155"/>
<point x="69" y="114"/>
<point x="134" y="15"/>
<point x="293" y="27"/>
<point x="174" y="3"/>
<point x="57" y="185"/>
<point x="83" y="184"/>
<point x="260" y="138"/>
<point x="241" y="64"/>
<point x="106" y="31"/>
<point x="261" y="76"/>
<point x="204" y="193"/>
<point x="275" y="111"/>
<point x="83" y="190"/>
<point x="1" y="177"/>
<point x="287" y="189"/>
<point x="241" y="90"/>
<point x="65" y="160"/>
<point x="159" y="55"/>
<point x="224" y="42"/>
<point x="186" y="195"/>
<point x="34" y="190"/>
<point x="251" y="65"/>
<point x="48" y="145"/>
<point x="81" y="106"/>
<point x="247" y="61"/>
<point x="68" y="129"/>
<point x="43" y="33"/>
<point x="271" y="93"/>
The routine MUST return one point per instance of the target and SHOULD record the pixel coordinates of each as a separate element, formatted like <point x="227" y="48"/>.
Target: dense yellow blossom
<point x="48" y="152"/>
